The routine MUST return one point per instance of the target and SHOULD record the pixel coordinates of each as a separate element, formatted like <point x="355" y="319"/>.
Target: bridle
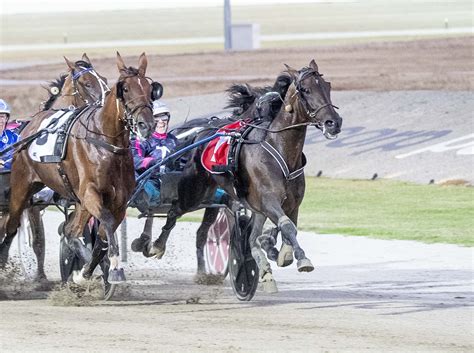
<point x="128" y="118"/>
<point x="312" y="113"/>
<point x="103" y="85"/>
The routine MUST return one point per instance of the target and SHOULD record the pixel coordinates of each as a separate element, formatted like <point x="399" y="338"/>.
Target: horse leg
<point x="288" y="234"/>
<point x="268" y="241"/>
<point x="74" y="231"/>
<point x="20" y="194"/>
<point x="158" y="247"/>
<point x="93" y="203"/>
<point x="266" y="277"/>
<point x="210" y="215"/>
<point x="34" y="214"/>
<point x="141" y="243"/>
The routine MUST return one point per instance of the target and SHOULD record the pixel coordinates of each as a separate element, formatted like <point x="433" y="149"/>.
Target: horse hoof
<point x="268" y="283"/>
<point x="285" y="257"/>
<point x="78" y="277"/>
<point x="139" y="244"/>
<point x="116" y="276"/>
<point x="305" y="265"/>
<point x="272" y="254"/>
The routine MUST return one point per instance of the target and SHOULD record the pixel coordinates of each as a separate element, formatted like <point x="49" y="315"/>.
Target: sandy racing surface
<point x="364" y="296"/>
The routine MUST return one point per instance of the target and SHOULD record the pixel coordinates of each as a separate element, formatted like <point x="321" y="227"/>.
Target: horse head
<point x="88" y="86"/>
<point x="137" y="94"/>
<point x="311" y="98"/>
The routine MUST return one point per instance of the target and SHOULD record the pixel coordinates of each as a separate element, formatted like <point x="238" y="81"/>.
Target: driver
<point x="152" y="151"/>
<point x="7" y="137"/>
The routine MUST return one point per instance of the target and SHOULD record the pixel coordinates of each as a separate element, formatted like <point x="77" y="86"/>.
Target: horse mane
<point x="58" y="83"/>
<point x="243" y="97"/>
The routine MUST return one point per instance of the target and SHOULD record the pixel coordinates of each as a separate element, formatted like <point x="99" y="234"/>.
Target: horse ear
<point x="120" y="64"/>
<point x="313" y="65"/>
<point x="86" y="58"/>
<point x="142" y="64"/>
<point x="69" y="63"/>
<point x="293" y="73"/>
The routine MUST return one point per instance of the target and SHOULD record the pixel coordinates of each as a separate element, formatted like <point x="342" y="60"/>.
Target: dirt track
<point x="337" y="308"/>
<point x="366" y="295"/>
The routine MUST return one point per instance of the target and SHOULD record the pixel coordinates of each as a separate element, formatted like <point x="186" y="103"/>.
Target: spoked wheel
<point x="70" y="262"/>
<point x="216" y="249"/>
<point x="242" y="266"/>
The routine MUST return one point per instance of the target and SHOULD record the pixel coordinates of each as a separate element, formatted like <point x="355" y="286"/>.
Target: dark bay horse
<point x="80" y="86"/>
<point x="97" y="171"/>
<point x="269" y="180"/>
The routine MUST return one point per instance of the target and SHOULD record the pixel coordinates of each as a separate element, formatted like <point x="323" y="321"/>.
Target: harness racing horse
<point x="269" y="180"/>
<point x="97" y="171"/>
<point x="80" y="86"/>
<point x="242" y="98"/>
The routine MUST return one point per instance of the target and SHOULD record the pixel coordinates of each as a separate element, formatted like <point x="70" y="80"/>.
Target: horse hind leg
<point x="288" y="233"/>
<point x="208" y="219"/>
<point x="20" y="194"/>
<point x="265" y="270"/>
<point x="36" y="222"/>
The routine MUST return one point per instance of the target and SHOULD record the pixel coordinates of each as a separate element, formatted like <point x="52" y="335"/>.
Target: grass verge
<point x="389" y="210"/>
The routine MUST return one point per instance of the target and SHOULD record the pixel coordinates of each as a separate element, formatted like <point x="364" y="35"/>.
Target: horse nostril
<point x="329" y="123"/>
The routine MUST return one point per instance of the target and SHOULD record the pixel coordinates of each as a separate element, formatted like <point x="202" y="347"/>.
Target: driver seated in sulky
<point x="7" y="137"/>
<point x="152" y="151"/>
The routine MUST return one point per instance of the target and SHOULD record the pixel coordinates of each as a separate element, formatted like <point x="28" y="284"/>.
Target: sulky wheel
<point x="243" y="269"/>
<point x="216" y="249"/>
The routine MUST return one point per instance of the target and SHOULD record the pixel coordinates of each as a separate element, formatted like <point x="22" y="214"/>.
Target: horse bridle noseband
<point x="103" y="86"/>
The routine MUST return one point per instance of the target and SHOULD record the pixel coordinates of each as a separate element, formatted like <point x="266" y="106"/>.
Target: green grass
<point x="389" y="210"/>
<point x="365" y="15"/>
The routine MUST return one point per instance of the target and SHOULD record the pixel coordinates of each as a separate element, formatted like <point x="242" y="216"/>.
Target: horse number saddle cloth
<point x="217" y="157"/>
<point x="50" y="146"/>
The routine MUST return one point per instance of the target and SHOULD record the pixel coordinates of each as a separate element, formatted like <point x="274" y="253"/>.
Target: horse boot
<point x="140" y="244"/>
<point x="267" y="242"/>
<point x="285" y="257"/>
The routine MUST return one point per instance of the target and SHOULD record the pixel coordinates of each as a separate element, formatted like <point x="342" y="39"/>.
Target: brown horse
<point x="97" y="170"/>
<point x="80" y="86"/>
<point x="269" y="180"/>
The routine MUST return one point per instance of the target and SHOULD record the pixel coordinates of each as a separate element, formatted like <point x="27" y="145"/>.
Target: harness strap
<point x="281" y="162"/>
<point x="67" y="183"/>
<point x="108" y="146"/>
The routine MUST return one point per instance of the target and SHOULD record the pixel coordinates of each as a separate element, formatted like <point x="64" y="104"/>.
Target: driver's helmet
<point x="4" y="107"/>
<point x="160" y="108"/>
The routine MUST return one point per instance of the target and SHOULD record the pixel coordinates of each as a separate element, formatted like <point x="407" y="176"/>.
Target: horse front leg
<point x="158" y="247"/>
<point x="265" y="270"/>
<point x="290" y="244"/>
<point x="210" y="215"/>
<point x="141" y="243"/>
<point x="109" y="221"/>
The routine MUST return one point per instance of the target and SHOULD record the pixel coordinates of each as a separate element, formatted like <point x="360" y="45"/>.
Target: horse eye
<point x="88" y="85"/>
<point x="304" y="90"/>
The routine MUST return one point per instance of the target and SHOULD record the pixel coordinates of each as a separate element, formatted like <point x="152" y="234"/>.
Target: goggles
<point x="162" y="117"/>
